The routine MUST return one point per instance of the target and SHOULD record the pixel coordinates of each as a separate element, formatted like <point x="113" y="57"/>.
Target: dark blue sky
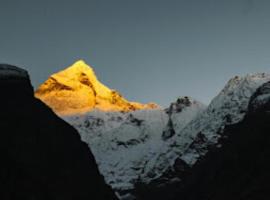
<point x="149" y="50"/>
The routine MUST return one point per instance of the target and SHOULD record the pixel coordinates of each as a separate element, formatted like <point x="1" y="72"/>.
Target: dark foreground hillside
<point x="42" y="157"/>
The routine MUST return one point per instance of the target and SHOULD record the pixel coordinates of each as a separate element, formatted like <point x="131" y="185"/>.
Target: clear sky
<point x="149" y="50"/>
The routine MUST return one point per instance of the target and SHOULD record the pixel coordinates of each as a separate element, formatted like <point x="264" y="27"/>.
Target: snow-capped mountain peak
<point x="77" y="90"/>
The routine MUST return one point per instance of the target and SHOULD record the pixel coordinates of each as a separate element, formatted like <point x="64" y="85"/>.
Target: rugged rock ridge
<point x="77" y="90"/>
<point x="42" y="157"/>
<point x="180" y="116"/>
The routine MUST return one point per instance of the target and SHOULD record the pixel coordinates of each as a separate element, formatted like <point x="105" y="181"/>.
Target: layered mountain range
<point x="147" y="152"/>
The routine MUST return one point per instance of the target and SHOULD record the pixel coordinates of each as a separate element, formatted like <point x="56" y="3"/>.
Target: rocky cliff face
<point x="42" y="157"/>
<point x="77" y="90"/>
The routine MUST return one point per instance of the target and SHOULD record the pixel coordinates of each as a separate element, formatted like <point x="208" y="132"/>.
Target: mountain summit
<point x="77" y="90"/>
